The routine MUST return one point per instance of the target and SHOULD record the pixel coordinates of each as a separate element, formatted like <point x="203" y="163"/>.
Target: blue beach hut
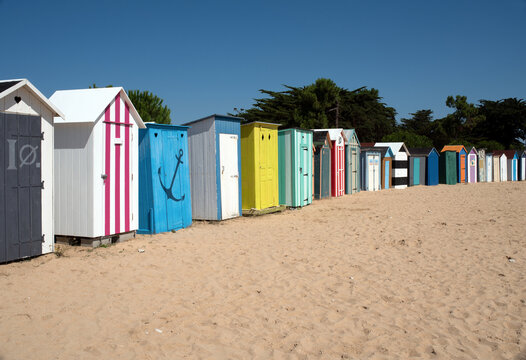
<point x="428" y="165"/>
<point x="215" y="167"/>
<point x="164" y="179"/>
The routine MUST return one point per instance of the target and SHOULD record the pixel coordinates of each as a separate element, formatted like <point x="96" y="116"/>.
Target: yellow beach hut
<point x="259" y="165"/>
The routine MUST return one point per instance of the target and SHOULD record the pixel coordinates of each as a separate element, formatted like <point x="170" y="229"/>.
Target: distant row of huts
<point x="83" y="166"/>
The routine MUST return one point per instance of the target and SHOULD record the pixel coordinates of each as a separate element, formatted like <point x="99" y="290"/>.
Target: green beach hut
<point x="295" y="167"/>
<point x="448" y="167"/>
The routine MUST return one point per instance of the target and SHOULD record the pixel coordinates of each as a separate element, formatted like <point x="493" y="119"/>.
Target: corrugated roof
<point x="381" y="149"/>
<point x="87" y="105"/>
<point x="455" y="148"/>
<point x="261" y="123"/>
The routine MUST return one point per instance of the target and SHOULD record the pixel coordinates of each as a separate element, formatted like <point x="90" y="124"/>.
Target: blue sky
<point x="205" y="57"/>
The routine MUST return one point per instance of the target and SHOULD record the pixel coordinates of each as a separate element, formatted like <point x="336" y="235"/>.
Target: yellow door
<point x="266" y="168"/>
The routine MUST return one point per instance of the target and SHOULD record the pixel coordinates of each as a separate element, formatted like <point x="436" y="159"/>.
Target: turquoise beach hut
<point x="295" y="167"/>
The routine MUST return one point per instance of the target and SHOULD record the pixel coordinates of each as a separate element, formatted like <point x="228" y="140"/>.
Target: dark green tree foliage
<point x="504" y="121"/>
<point x="150" y="107"/>
<point x="317" y="106"/>
<point x="419" y="122"/>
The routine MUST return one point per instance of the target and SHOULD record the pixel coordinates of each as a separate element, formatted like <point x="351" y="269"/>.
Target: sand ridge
<point x="418" y="273"/>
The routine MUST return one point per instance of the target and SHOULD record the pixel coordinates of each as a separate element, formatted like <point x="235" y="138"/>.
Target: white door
<point x="374" y="172"/>
<point x="229" y="175"/>
<point x="503" y="169"/>
<point x="489" y="171"/>
<point x="523" y="168"/>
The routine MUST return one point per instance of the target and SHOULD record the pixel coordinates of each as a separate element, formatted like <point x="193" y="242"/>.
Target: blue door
<point x="514" y="174"/>
<point x="387" y="175"/>
<point x="416" y="171"/>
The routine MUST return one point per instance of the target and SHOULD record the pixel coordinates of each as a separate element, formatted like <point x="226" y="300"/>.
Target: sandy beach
<point x="426" y="272"/>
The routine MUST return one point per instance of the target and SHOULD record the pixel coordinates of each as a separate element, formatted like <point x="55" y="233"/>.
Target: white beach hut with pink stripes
<point x="96" y="165"/>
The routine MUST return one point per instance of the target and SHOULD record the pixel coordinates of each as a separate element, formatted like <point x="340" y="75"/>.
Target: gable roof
<point x="9" y="86"/>
<point x="214" y="116"/>
<point x="455" y="148"/>
<point x="473" y="149"/>
<point x="425" y="151"/>
<point x="320" y="137"/>
<point x="396" y="147"/>
<point x="386" y="151"/>
<point x="375" y="149"/>
<point x="510" y="154"/>
<point x="334" y="133"/>
<point x="349" y="133"/>
<point x="87" y="105"/>
<point x="499" y="153"/>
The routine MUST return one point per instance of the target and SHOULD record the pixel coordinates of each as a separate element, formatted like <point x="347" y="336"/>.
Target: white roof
<point x="396" y="147"/>
<point x="87" y="105"/>
<point x="24" y="82"/>
<point x="333" y="133"/>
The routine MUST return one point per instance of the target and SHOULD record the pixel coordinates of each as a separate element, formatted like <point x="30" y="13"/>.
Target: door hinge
<point x="42" y="136"/>
<point x="43" y="238"/>
<point x="42" y="185"/>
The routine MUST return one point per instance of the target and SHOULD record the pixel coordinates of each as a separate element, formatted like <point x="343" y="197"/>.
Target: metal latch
<point x="43" y="238"/>
<point x="42" y="185"/>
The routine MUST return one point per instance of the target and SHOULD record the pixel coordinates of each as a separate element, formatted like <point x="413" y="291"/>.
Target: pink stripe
<point x="107" y="182"/>
<point x="127" y="169"/>
<point x="118" y="166"/>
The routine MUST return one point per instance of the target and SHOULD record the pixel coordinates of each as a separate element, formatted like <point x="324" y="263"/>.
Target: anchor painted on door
<point x="168" y="191"/>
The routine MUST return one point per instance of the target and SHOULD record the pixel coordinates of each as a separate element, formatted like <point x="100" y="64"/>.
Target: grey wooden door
<point x="20" y="187"/>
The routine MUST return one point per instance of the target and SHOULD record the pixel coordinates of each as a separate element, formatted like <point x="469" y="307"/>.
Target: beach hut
<point x="448" y="167"/>
<point x="522" y="166"/>
<point x="428" y="174"/>
<point x="165" y="202"/>
<point x="371" y="168"/>
<point x="417" y="168"/>
<point x="496" y="166"/>
<point x="512" y="164"/>
<point x="26" y="171"/>
<point x="96" y="150"/>
<point x="461" y="161"/>
<point x="472" y="166"/>
<point x="337" y="161"/>
<point x="481" y="154"/>
<point x="322" y="146"/>
<point x="295" y="167"/>
<point x="214" y="144"/>
<point x="259" y="165"/>
<point x="400" y="163"/>
<point x="386" y="166"/>
<point x="489" y="167"/>
<point x="352" y="162"/>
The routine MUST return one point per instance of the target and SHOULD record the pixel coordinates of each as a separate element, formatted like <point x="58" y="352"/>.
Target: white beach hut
<point x="96" y="165"/>
<point x="400" y="163"/>
<point x="26" y="171"/>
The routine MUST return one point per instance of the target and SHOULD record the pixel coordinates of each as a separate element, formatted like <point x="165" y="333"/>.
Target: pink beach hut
<point x="96" y="165"/>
